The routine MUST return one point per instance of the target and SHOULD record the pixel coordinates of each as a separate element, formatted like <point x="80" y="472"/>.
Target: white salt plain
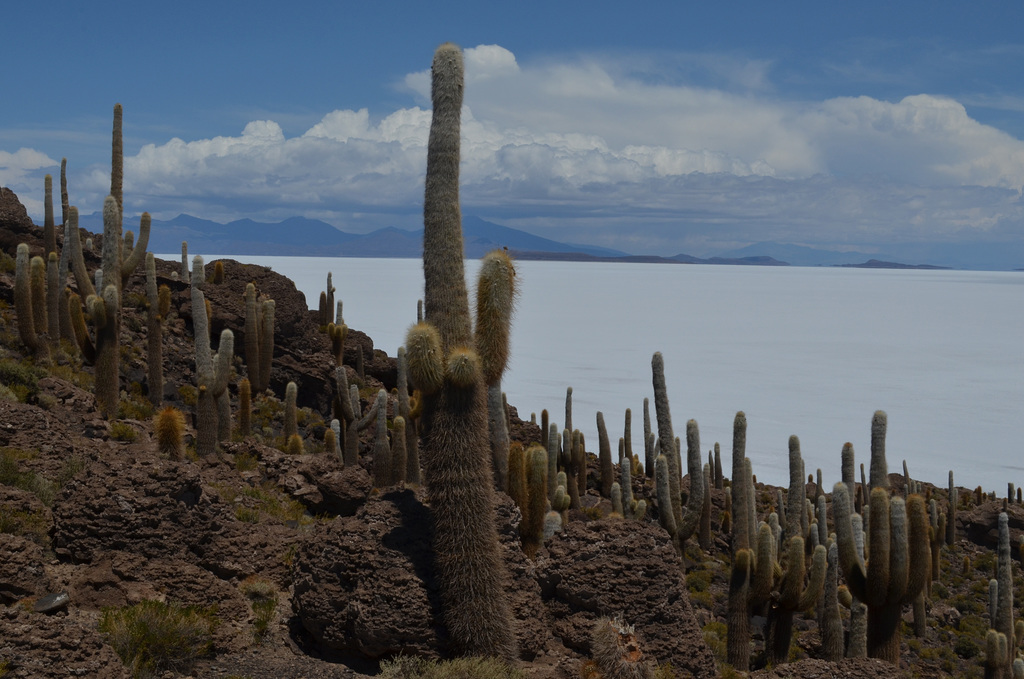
<point x="806" y="351"/>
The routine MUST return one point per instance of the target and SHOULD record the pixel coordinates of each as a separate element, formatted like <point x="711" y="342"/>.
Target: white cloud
<point x="14" y="167"/>
<point x="583" y="140"/>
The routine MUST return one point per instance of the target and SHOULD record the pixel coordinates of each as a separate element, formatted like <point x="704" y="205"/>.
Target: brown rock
<point x="22" y="571"/>
<point x="13" y="214"/>
<point x="152" y="507"/>
<point x="980" y="525"/>
<point x="43" y="647"/>
<point x="611" y="567"/>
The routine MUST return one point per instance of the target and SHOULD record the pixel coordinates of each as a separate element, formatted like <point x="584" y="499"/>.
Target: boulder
<point x="628" y="568"/>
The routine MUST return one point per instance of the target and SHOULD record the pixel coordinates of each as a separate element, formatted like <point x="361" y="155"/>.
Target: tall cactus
<point x="686" y="522"/>
<point x="49" y="230"/>
<point x="604" y="457"/>
<point x="154" y="334"/>
<point x="405" y="411"/>
<point x="831" y="624"/>
<point x="459" y="480"/>
<point x="24" y="302"/>
<point x="212" y="372"/>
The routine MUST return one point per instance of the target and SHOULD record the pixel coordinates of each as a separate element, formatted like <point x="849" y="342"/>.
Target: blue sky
<point x="660" y="129"/>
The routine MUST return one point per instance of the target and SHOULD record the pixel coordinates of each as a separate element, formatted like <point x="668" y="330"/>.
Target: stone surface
<point x="22" y="569"/>
<point x="611" y="567"/>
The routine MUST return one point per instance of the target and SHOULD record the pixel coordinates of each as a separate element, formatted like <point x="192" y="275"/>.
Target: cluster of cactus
<point x="898" y="550"/>
<point x="1004" y="636"/>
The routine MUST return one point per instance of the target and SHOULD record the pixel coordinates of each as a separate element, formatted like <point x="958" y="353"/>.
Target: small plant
<point x="11" y="475"/>
<point x="135" y="406"/>
<point x="170" y="432"/>
<point x="21" y="377"/>
<point x="152" y="637"/>
<point x="407" y="667"/>
<point x="263" y="598"/>
<point x="122" y="431"/>
<point x="189" y="395"/>
<point x="244" y="462"/>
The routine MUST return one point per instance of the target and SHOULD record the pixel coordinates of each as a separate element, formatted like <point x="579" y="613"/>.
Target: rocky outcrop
<point x="616" y="567"/>
<point x="151" y="507"/>
<point x="13" y="214"/>
<point x="366" y="584"/>
<point x="22" y="569"/>
<point x="980" y="524"/>
<point x="41" y="646"/>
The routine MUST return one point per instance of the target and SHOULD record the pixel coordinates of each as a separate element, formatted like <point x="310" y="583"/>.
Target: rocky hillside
<point x="293" y="564"/>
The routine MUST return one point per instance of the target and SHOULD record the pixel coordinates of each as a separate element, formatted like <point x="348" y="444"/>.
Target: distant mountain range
<point x="299" y="236"/>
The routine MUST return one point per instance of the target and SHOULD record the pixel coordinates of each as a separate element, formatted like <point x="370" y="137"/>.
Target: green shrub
<point x="11" y="475"/>
<point x="152" y="637"/>
<point x="263" y="598"/>
<point x="406" y="667"/>
<point x="21" y="377"/>
<point x="122" y="431"/>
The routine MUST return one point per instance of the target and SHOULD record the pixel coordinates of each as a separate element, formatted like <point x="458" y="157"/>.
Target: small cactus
<point x="169" y="428"/>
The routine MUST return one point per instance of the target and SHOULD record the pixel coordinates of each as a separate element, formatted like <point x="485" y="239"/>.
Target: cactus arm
<point x="878" y="548"/>
<point x="695" y="470"/>
<point x="495" y="303"/>
<point x="797" y="493"/>
<point x="763" y="574"/>
<point x="738" y="489"/>
<point x="82" y="278"/>
<point x="849" y="558"/>
<point x="200" y="327"/>
<point x="341" y="385"/>
<point x="80" y="329"/>
<point x="666" y="516"/>
<point x="899" y="567"/>
<point x="879" y="467"/>
<point x="23" y="302"/>
<point x="222" y="361"/>
<point x="426" y="359"/>
<point x="919" y="549"/>
<point x="815" y="579"/>
<point x="666" y="437"/>
<point x="132" y="261"/>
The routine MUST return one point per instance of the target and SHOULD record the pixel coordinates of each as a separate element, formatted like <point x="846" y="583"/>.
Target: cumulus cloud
<point x="15" y="171"/>
<point x="597" y="146"/>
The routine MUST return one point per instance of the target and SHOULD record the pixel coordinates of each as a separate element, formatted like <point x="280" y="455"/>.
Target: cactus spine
<point x="455" y="431"/>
